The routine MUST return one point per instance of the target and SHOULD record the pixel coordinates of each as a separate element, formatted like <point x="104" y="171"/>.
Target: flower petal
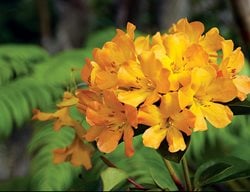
<point x="184" y="121"/>
<point x="170" y="104"/>
<point x="134" y="97"/>
<point x="149" y="115"/>
<point x="131" y="114"/>
<point x="153" y="136"/>
<point x="175" y="140"/>
<point x="222" y="90"/>
<point x="242" y="84"/>
<point x="130" y="75"/>
<point x="218" y="115"/>
<point x="128" y="140"/>
<point x="93" y="132"/>
<point x="108" y="140"/>
<point x="200" y="122"/>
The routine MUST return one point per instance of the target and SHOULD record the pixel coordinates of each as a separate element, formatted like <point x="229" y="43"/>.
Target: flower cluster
<point x="171" y="83"/>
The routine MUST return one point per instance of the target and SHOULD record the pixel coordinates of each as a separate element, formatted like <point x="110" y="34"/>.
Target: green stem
<point x="186" y="174"/>
<point x="173" y="174"/>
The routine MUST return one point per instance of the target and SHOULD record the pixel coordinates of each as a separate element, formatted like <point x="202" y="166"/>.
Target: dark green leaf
<point x="221" y="170"/>
<point x="240" y="107"/>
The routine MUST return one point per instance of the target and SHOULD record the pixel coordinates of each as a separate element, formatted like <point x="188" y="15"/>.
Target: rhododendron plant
<point x="165" y="87"/>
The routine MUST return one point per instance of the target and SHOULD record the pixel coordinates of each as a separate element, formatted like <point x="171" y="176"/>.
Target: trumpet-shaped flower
<point x="204" y="97"/>
<point x="109" y="120"/>
<point x="142" y="82"/>
<point x="102" y="71"/>
<point x="168" y="121"/>
<point x="232" y="63"/>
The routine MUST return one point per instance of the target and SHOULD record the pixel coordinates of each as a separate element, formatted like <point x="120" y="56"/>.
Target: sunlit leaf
<point x="111" y="177"/>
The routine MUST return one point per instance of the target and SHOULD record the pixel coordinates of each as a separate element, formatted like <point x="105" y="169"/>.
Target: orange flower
<point x="62" y="115"/>
<point x="203" y="93"/>
<point x="101" y="72"/>
<point x="168" y="121"/>
<point x="110" y="120"/>
<point x="78" y="153"/>
<point x="231" y="65"/>
<point x="143" y="81"/>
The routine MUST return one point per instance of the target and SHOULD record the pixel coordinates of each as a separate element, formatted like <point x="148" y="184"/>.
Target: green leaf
<point x="221" y="170"/>
<point x="240" y="107"/>
<point x="111" y="177"/>
<point x="176" y="157"/>
<point x="142" y="167"/>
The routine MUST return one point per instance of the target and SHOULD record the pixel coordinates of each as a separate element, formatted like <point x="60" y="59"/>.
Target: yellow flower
<point x="201" y="96"/>
<point x="109" y="120"/>
<point x="102" y="71"/>
<point x="232" y="63"/>
<point x="167" y="121"/>
<point x="142" y="81"/>
<point x="78" y="153"/>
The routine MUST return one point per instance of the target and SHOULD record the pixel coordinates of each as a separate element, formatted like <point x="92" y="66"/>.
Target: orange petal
<point x="149" y="115"/>
<point x="150" y="66"/>
<point x="134" y="97"/>
<point x="41" y="116"/>
<point x="243" y="86"/>
<point x="68" y="100"/>
<point x="105" y="143"/>
<point x="131" y="114"/>
<point x="130" y="30"/>
<point x="93" y="132"/>
<point x="77" y="153"/>
<point x="193" y="29"/>
<point x="153" y="136"/>
<point x="111" y="101"/>
<point x="222" y="90"/>
<point x="170" y="104"/>
<point x="130" y="75"/>
<point x="86" y="71"/>
<point x="152" y="98"/>
<point x="175" y="140"/>
<point x="141" y="44"/>
<point x="128" y="140"/>
<point x="163" y="84"/>
<point x="212" y="41"/>
<point x="175" y="45"/>
<point x="185" y="96"/>
<point x="184" y="121"/>
<point x="218" y="115"/>
<point x="105" y="79"/>
<point x="227" y="48"/>
<point x="200" y="122"/>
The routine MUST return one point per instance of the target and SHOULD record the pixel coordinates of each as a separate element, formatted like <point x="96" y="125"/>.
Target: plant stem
<point x="186" y="174"/>
<point x="173" y="174"/>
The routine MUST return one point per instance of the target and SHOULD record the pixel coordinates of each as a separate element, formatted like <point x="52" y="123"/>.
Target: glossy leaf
<point x="146" y="167"/>
<point x="240" y="107"/>
<point x="221" y="170"/>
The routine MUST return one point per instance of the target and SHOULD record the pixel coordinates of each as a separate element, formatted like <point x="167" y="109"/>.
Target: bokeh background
<point x="41" y="41"/>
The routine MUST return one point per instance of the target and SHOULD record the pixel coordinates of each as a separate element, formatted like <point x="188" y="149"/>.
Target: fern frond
<point x="19" y="60"/>
<point x="44" y="174"/>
